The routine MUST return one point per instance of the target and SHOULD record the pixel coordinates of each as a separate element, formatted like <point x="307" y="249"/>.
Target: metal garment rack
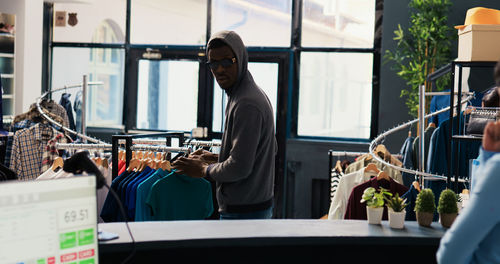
<point x="452" y="167"/>
<point x="82" y="135"/>
<point x="422" y="95"/>
<point x="129" y="141"/>
<point x="332" y="153"/>
<point x="417" y="173"/>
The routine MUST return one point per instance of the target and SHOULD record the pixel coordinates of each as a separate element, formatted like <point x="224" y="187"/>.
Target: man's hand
<point x="491" y="137"/>
<point x="205" y="156"/>
<point x="193" y="166"/>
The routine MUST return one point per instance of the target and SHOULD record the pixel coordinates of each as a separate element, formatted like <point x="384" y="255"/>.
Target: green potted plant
<point x="422" y="48"/>
<point x="374" y="204"/>
<point x="397" y="213"/>
<point x="447" y="207"/>
<point x="425" y="207"/>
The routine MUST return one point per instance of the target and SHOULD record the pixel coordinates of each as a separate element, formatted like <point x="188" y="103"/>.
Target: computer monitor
<point x="51" y="221"/>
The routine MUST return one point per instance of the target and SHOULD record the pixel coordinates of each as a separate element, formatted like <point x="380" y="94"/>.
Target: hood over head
<point x="233" y="40"/>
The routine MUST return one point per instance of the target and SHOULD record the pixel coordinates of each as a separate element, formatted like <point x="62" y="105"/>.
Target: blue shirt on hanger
<point x="142" y="211"/>
<point x="132" y="193"/>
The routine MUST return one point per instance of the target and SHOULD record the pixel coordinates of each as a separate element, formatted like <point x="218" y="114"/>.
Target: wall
<point x="308" y="161"/>
<point x="28" y="49"/>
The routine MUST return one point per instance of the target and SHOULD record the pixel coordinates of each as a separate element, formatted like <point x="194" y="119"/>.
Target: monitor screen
<point x="53" y="221"/>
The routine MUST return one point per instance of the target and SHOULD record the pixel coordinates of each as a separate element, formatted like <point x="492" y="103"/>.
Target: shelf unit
<point x="455" y="127"/>
<point x="7" y="67"/>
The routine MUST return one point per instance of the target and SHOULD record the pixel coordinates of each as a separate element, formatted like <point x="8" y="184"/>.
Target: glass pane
<point x="335" y="97"/>
<point x="167" y="95"/>
<point x="96" y="22"/>
<point x="338" y="23"/>
<point x="258" y="22"/>
<point x="105" y="102"/>
<point x="266" y="77"/>
<point x="169" y="22"/>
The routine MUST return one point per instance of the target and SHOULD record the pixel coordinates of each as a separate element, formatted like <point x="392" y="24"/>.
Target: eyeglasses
<point x="225" y="63"/>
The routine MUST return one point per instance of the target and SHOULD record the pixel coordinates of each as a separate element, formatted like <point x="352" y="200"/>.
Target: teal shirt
<point x="180" y="197"/>
<point x="474" y="237"/>
<point x="142" y="211"/>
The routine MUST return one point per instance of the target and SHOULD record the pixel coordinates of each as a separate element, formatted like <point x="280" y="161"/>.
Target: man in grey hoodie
<point x="244" y="170"/>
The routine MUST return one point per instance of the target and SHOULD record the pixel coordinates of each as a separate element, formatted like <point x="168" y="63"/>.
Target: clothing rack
<point x="82" y="135"/>
<point x="417" y="173"/>
<point x="129" y="141"/>
<point x="196" y="143"/>
<point x="332" y="153"/>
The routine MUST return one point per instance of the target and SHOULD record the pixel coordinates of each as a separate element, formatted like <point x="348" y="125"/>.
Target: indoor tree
<point x="422" y="49"/>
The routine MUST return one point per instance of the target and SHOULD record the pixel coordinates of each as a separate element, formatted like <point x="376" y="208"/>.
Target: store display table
<point x="269" y="240"/>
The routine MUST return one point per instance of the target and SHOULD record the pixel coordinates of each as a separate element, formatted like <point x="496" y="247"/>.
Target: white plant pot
<point x="374" y="215"/>
<point x="459" y="206"/>
<point x="397" y="219"/>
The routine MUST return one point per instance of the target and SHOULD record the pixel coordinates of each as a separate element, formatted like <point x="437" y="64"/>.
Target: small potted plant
<point x="425" y="207"/>
<point x="397" y="213"/>
<point x="374" y="204"/>
<point x="447" y="207"/>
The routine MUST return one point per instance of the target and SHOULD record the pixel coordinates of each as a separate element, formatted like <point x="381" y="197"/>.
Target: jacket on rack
<point x="244" y="174"/>
<point x="66" y="103"/>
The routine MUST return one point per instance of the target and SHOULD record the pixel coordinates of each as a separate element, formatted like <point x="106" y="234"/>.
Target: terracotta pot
<point x="447" y="219"/>
<point x="397" y="219"/>
<point x="374" y="215"/>
<point x="424" y="218"/>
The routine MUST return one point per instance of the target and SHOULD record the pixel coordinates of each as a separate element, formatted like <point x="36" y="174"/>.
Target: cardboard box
<point x="479" y="43"/>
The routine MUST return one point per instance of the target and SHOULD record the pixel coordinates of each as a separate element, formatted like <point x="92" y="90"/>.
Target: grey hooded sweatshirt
<point x="244" y="174"/>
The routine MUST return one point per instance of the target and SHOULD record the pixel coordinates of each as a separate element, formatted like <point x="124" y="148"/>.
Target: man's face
<point x="224" y="67"/>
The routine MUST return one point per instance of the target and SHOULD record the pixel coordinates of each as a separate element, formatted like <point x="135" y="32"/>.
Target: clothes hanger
<point x="416" y="185"/>
<point x="338" y="166"/>
<point x="371" y="167"/>
<point x="382" y="175"/>
<point x="57" y="164"/>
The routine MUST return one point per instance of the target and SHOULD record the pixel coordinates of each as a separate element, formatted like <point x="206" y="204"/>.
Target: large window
<point x="335" y="94"/>
<point x="167" y="95"/>
<point x="265" y="76"/>
<point x="258" y="22"/>
<point x="170" y="22"/>
<point x="336" y="69"/>
<point x="105" y="101"/>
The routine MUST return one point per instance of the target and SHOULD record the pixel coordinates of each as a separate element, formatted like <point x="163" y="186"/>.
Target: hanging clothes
<point x="411" y="198"/>
<point x="416" y="146"/>
<point x="357" y="210"/>
<point x="27" y="150"/>
<point x="142" y="210"/>
<point x="407" y="153"/>
<point x="180" y="197"/>
<point x="77" y="106"/>
<point x="346" y="184"/>
<point x="362" y="162"/>
<point x="66" y="103"/>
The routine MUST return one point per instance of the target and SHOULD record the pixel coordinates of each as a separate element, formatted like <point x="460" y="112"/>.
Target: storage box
<point x="479" y="43"/>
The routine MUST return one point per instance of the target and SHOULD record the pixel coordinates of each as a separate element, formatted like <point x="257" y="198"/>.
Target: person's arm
<point x="483" y="210"/>
<point x="246" y="133"/>
<point x="463" y="238"/>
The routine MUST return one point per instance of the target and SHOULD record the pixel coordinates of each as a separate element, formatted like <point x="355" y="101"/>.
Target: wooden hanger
<point x="416" y="185"/>
<point x="371" y="167"/>
<point x="383" y="175"/>
<point x="105" y="163"/>
<point x="58" y="163"/>
<point x="338" y="166"/>
<point x="133" y="164"/>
